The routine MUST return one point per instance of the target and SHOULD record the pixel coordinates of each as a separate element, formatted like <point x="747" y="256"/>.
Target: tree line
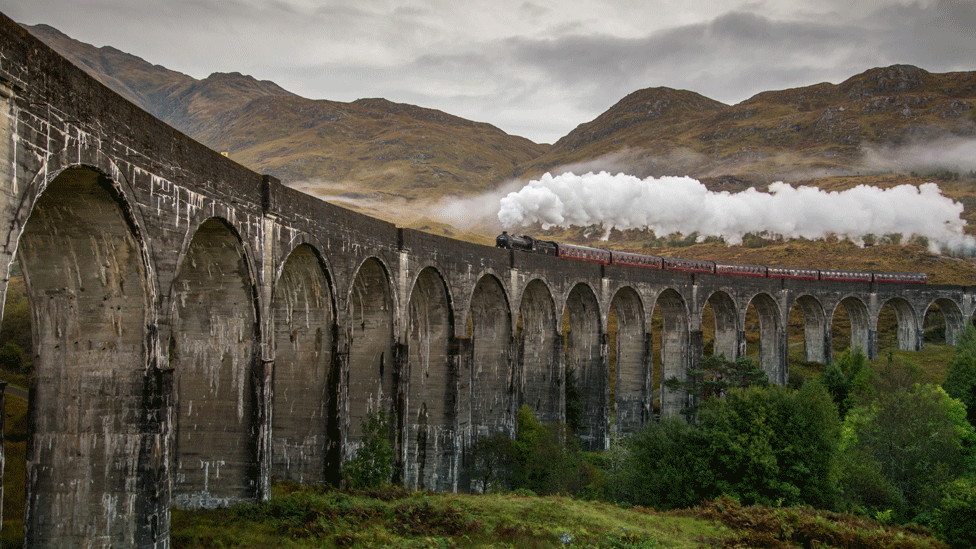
<point x="873" y="441"/>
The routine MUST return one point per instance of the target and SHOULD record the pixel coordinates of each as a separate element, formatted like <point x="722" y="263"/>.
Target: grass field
<point x="392" y="517"/>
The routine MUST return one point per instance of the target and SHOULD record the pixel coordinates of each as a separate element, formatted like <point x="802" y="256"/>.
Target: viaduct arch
<point x="201" y="328"/>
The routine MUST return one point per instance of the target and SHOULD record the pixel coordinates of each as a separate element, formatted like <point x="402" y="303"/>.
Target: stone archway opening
<point x="541" y="384"/>
<point x="491" y="377"/>
<point x="629" y="369"/>
<point x="720" y="327"/>
<point x="849" y="328"/>
<point x="887" y="330"/>
<point x="808" y="340"/>
<point x="371" y="366"/>
<point x="763" y="333"/>
<point x="840" y="331"/>
<point x="213" y="354"/>
<point x="935" y="325"/>
<point x="87" y="289"/>
<point x="584" y="361"/>
<point x="708" y="330"/>
<point x="943" y="322"/>
<point x="753" y="335"/>
<point x="796" y="341"/>
<point x="901" y="326"/>
<point x="304" y="426"/>
<point x="673" y="344"/>
<point x="431" y="448"/>
<point x="656" y="331"/>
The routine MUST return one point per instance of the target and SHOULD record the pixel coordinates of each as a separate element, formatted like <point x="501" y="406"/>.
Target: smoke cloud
<point x="684" y="205"/>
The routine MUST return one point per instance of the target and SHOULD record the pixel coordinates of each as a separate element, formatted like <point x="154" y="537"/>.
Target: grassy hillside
<point x="317" y="517"/>
<point x="368" y="147"/>
<point x="396" y="161"/>
<point x="822" y="254"/>
<point x="824" y="129"/>
<point x="182" y="101"/>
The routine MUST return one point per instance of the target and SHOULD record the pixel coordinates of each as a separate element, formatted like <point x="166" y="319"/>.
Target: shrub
<point x="955" y="519"/>
<point x="373" y="464"/>
<point x="548" y="459"/>
<point x="759" y="445"/>
<point x="960" y="380"/>
<point x="900" y="447"/>
<point x="768" y="445"/>
<point x="664" y="468"/>
<point x="574" y="401"/>
<point x="713" y="377"/>
<point x="847" y="379"/>
<point x="11" y="357"/>
<point x="491" y="461"/>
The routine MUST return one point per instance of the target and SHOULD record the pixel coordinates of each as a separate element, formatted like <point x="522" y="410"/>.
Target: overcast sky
<point x="536" y="68"/>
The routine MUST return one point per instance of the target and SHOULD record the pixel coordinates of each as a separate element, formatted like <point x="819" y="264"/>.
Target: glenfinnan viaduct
<point x="200" y="328"/>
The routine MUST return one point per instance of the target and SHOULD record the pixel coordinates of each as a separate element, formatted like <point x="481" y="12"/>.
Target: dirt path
<point x="11" y="390"/>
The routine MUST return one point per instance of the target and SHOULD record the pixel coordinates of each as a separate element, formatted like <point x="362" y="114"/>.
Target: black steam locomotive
<point x="607" y="257"/>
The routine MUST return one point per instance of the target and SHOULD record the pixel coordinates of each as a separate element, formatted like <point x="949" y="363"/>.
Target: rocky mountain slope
<point x="375" y="147"/>
<point x="395" y="161"/>
<point x="183" y="102"/>
<point x="370" y="147"/>
<point x="814" y="131"/>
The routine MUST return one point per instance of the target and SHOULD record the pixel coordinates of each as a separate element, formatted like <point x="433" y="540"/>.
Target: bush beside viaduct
<point x="200" y="329"/>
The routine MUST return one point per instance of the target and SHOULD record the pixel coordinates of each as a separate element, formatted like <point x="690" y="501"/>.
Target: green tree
<point x="547" y="457"/>
<point x="16" y="326"/>
<point x="954" y="520"/>
<point x="491" y="462"/>
<point x="373" y="464"/>
<point x="759" y="444"/>
<point x="847" y="379"/>
<point x="666" y="467"/>
<point x="960" y="380"/>
<point x="898" y="449"/>
<point x="11" y="357"/>
<point x="772" y="445"/>
<point x="712" y="378"/>
<point x="574" y="401"/>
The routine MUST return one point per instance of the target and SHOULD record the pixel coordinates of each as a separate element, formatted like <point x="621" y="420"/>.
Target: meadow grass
<point x="318" y="517"/>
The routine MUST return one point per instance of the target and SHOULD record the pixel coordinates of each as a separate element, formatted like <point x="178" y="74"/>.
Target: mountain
<point x="398" y="161"/>
<point x="367" y="148"/>
<point x="379" y="150"/>
<point x="818" y="130"/>
<point x="637" y="132"/>
<point x="183" y="102"/>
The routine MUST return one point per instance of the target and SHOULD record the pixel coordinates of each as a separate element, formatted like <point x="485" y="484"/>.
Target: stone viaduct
<point x="201" y="329"/>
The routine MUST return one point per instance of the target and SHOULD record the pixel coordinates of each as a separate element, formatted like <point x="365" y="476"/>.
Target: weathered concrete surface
<point x="202" y="329"/>
<point x="212" y="352"/>
<point x="305" y="381"/>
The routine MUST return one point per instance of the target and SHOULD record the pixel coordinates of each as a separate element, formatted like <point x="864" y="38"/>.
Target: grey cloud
<point x="938" y="38"/>
<point x="739" y="54"/>
<point x="541" y="79"/>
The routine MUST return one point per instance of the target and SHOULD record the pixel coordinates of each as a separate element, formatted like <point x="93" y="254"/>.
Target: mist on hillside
<point x="950" y="153"/>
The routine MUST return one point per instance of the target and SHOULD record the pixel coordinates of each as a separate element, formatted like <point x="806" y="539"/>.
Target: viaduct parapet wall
<point x="200" y="329"/>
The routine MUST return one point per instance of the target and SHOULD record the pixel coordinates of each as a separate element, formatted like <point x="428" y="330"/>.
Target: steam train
<point x="607" y="257"/>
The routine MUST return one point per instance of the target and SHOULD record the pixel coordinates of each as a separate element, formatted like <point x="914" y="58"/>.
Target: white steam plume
<point x="684" y="205"/>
